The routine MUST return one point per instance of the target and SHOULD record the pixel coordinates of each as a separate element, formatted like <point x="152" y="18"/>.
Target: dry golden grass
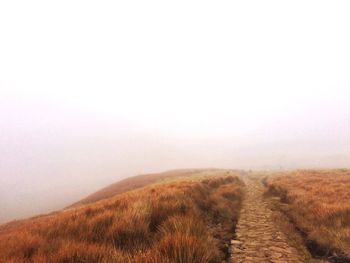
<point x="140" y="181"/>
<point x="318" y="202"/>
<point x="172" y="222"/>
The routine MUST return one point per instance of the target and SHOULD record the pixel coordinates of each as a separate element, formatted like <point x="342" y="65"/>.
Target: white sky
<point x="159" y="75"/>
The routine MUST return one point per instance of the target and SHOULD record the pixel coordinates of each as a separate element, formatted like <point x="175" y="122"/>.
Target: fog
<point x="93" y="92"/>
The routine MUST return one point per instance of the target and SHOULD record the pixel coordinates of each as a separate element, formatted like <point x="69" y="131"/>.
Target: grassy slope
<point x="139" y="181"/>
<point x="182" y="221"/>
<point x="318" y="203"/>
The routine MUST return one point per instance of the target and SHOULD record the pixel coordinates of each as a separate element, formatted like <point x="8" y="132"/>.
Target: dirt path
<point x="258" y="237"/>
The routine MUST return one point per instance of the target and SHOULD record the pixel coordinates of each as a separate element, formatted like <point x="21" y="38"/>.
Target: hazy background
<point x="95" y="91"/>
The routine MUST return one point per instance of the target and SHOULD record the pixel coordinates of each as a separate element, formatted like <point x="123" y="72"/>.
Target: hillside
<point x="195" y="216"/>
<point x="178" y="221"/>
<point x="139" y="181"/>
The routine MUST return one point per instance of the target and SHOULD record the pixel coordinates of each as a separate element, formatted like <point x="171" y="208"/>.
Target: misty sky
<point x="95" y="91"/>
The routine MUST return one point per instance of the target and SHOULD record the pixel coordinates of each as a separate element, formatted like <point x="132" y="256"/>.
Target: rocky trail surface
<point x="258" y="236"/>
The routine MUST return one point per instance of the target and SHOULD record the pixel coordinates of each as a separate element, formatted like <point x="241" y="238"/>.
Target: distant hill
<point x="139" y="181"/>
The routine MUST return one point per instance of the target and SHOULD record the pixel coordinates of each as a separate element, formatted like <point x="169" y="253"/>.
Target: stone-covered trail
<point x="258" y="237"/>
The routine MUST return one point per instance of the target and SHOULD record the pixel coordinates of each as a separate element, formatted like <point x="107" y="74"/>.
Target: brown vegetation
<point x="318" y="202"/>
<point x="180" y="221"/>
<point x="135" y="182"/>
